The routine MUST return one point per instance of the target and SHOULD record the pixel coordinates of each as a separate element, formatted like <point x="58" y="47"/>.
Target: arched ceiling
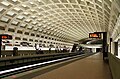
<point x="65" y="19"/>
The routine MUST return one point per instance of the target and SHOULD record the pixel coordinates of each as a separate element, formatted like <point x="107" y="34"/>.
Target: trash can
<point x="15" y="51"/>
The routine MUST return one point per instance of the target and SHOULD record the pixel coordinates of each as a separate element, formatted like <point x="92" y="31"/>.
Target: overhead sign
<point x="94" y="35"/>
<point x="5" y="36"/>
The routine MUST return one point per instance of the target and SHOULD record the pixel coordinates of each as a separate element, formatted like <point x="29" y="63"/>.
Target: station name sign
<point x="94" y="35"/>
<point x="5" y="36"/>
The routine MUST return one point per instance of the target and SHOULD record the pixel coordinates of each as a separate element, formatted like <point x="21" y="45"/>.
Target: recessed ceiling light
<point x="10" y="13"/>
<point x="31" y="2"/>
<point x="111" y="0"/>
<point x="14" y="22"/>
<point x="33" y="16"/>
<point x="34" y="22"/>
<point x="5" y="3"/>
<point x="100" y="0"/>
<point x="24" y="5"/>
<point x="39" y="0"/>
<point x="1" y="9"/>
<point x="25" y="13"/>
<point x="32" y="10"/>
<point x="23" y="24"/>
<point x="17" y="9"/>
<point x="4" y="19"/>
<point x="14" y="0"/>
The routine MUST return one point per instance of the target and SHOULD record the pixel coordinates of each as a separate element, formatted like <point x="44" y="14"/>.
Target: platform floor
<point x="92" y="67"/>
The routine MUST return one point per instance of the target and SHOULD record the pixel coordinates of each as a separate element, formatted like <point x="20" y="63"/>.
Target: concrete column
<point x="112" y="48"/>
<point x="93" y="49"/>
<point x="116" y="48"/>
<point x="105" y="47"/>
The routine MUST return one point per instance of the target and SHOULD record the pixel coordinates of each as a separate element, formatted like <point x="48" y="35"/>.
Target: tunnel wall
<point x="114" y="63"/>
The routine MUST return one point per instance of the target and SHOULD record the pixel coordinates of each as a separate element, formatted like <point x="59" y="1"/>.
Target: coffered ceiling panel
<point x="66" y="19"/>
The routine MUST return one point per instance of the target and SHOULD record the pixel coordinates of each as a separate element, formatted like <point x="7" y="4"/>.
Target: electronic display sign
<point x="5" y="36"/>
<point x="94" y="35"/>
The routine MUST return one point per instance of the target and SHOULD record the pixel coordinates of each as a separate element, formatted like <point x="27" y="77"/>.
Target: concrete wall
<point x="114" y="63"/>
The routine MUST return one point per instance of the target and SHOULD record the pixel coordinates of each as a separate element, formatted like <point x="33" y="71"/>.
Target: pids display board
<point x="94" y="35"/>
<point x="5" y="36"/>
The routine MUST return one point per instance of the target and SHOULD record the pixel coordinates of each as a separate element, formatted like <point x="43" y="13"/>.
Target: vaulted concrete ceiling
<point x="64" y="19"/>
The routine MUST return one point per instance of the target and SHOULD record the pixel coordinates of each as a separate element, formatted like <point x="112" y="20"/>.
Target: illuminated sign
<point x="5" y="36"/>
<point x="94" y="35"/>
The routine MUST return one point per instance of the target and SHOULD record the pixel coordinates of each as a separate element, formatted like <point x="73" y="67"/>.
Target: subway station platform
<point x="91" y="67"/>
<point x="59" y="39"/>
